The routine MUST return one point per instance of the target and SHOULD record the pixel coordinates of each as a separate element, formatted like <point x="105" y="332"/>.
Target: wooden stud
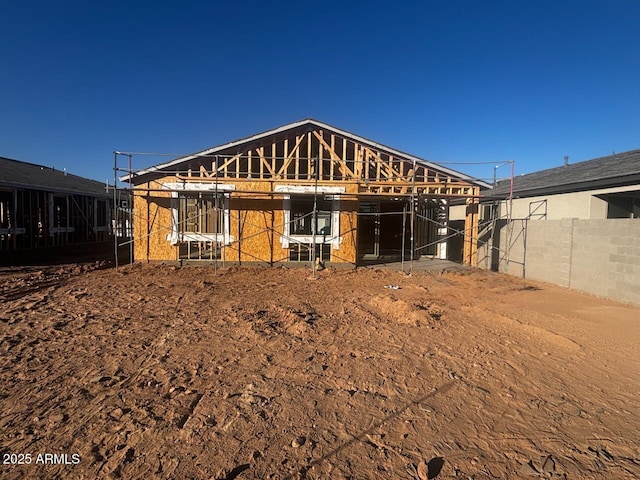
<point x="297" y="172"/>
<point x="309" y="155"/>
<point x="283" y="169"/>
<point x="289" y="158"/>
<point x="360" y="161"/>
<point x="470" y="250"/>
<point x="273" y="159"/>
<point x="343" y="164"/>
<point x="263" y="161"/>
<point x="320" y="162"/>
<point x="227" y="163"/>
<point x="365" y="158"/>
<point x="333" y="149"/>
<point x="346" y="171"/>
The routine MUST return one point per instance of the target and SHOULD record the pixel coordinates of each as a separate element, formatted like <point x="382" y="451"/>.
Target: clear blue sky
<point x="449" y="80"/>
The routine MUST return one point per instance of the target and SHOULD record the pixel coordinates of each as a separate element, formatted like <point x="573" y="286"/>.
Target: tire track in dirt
<point x="156" y="371"/>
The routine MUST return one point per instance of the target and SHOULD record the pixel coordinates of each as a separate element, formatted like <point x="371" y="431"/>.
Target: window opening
<point x="302" y="217"/>
<point x="201" y="226"/>
<point x="6" y="205"/>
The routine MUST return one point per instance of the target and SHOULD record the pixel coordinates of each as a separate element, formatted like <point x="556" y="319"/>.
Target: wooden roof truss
<point x="298" y="157"/>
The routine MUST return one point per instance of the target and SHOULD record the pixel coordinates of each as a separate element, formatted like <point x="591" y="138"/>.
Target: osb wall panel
<point x="256" y="225"/>
<point x="152" y="210"/>
<point x="256" y="222"/>
<point x="348" y="231"/>
<point x="140" y="240"/>
<point x="348" y="228"/>
<point x="252" y="218"/>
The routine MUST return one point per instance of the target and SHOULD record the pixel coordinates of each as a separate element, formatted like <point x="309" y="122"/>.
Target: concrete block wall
<point x="596" y="256"/>
<point x="606" y="258"/>
<point x="513" y="248"/>
<point x="549" y="250"/>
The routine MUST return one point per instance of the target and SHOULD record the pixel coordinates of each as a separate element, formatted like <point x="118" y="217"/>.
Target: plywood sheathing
<point x="255" y="224"/>
<point x="348" y="222"/>
<point x="256" y="213"/>
<point x="152" y="223"/>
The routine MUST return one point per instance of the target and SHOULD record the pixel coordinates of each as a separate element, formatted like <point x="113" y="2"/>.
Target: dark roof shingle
<point x="612" y="170"/>
<point x="17" y="174"/>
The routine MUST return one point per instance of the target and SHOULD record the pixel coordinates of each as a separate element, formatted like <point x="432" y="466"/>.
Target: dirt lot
<point x="162" y="372"/>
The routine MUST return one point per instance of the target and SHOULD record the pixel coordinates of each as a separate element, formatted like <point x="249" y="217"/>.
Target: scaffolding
<point x="47" y="213"/>
<point x="415" y="193"/>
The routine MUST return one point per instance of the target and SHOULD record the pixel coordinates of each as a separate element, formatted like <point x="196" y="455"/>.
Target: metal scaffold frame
<point x="414" y="192"/>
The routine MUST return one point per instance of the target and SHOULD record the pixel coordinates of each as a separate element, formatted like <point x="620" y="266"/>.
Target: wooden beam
<point x="365" y="164"/>
<point x="283" y="169"/>
<point x="273" y="158"/>
<point x="249" y="165"/>
<point x="470" y="250"/>
<point x="386" y="167"/>
<point x="344" y="157"/>
<point x="289" y="157"/>
<point x="342" y="164"/>
<point x="320" y="162"/>
<point x="435" y="187"/>
<point x="309" y="155"/>
<point x="297" y="162"/>
<point x="227" y="163"/>
<point x="203" y="171"/>
<point x="333" y="149"/>
<point x="263" y="161"/>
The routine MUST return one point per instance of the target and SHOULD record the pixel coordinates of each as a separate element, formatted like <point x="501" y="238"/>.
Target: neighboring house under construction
<point x="42" y="208"/>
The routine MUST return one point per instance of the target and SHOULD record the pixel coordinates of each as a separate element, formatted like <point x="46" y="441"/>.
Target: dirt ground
<point x="258" y="373"/>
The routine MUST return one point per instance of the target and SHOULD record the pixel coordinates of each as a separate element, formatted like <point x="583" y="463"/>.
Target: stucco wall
<point x="582" y="205"/>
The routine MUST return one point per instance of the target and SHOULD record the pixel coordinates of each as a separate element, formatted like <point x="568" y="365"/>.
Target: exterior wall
<point x="152" y="223"/>
<point x="492" y="247"/>
<point x="569" y="242"/>
<point x="296" y="156"/>
<point x="256" y="223"/>
<point x="582" y="205"/>
<point x="595" y="256"/>
<point x="605" y="258"/>
<point x="29" y="221"/>
<point x="564" y="205"/>
<point x="348" y="231"/>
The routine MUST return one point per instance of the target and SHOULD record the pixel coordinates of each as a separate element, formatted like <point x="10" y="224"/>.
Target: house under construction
<point x="45" y="211"/>
<point x="302" y="192"/>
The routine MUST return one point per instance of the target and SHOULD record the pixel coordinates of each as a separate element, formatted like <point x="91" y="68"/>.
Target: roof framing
<point x="379" y="168"/>
<point x="310" y="123"/>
